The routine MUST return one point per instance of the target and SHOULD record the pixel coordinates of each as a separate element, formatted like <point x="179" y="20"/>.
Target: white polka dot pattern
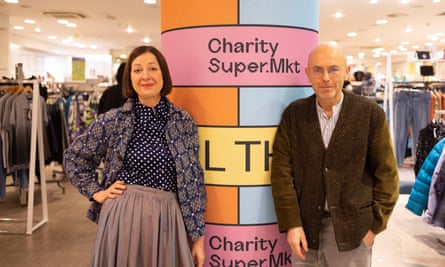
<point x="148" y="161"/>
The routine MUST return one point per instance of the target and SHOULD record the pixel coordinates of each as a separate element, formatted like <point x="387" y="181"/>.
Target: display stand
<point x="36" y="143"/>
<point x="387" y="96"/>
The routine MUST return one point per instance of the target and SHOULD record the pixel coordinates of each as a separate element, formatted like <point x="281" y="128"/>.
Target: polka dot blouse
<point x="148" y="161"/>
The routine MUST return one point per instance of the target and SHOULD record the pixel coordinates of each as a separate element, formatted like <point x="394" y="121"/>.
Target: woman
<point x="152" y="193"/>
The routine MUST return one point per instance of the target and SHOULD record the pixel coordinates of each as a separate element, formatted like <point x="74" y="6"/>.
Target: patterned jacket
<point x="107" y="138"/>
<point x="418" y="198"/>
<point x="435" y="212"/>
<point x="357" y="172"/>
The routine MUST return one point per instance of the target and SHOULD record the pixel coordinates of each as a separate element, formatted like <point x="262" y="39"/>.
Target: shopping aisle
<point x="408" y="241"/>
<point x="66" y="240"/>
<point x="68" y="237"/>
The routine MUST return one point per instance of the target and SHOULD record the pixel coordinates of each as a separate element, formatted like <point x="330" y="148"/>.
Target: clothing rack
<point x="421" y="84"/>
<point x="36" y="138"/>
<point x="388" y="105"/>
<point x="390" y="87"/>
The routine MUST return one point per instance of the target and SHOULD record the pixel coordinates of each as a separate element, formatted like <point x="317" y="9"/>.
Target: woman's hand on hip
<point x="116" y="189"/>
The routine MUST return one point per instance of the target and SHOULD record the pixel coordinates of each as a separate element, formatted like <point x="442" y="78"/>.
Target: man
<point x="334" y="173"/>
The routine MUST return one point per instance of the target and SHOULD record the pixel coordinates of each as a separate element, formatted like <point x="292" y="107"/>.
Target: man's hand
<point x="297" y="241"/>
<point x="369" y="239"/>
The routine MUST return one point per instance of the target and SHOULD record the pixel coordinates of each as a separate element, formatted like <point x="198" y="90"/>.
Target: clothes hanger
<point x="27" y="89"/>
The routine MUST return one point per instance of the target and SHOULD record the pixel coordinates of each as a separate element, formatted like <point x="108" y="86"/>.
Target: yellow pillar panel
<point x="236" y="156"/>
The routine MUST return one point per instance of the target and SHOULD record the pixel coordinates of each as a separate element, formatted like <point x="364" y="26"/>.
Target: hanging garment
<point x="418" y="198"/>
<point x="435" y="212"/>
<point x="428" y="137"/>
<point x="411" y="107"/>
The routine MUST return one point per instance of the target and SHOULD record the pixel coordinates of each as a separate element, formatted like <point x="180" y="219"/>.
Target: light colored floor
<point x="66" y="240"/>
<point x="408" y="241"/>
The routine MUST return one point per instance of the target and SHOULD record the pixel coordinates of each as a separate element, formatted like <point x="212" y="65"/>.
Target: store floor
<point x="66" y="240"/>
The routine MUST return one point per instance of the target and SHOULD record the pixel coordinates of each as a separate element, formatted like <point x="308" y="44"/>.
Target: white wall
<point x="39" y="63"/>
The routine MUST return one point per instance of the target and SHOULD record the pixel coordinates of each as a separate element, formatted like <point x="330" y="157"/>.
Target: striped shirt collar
<point x="335" y="109"/>
<point x="327" y="124"/>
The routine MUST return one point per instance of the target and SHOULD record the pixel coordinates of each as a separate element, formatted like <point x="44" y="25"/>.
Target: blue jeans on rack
<point x="411" y="111"/>
<point x="22" y="176"/>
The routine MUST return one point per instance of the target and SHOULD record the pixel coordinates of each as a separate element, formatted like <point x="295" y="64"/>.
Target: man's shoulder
<point x="302" y="102"/>
<point x="360" y="101"/>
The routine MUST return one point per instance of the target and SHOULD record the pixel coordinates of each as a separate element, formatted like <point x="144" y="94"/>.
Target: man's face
<point x="327" y="72"/>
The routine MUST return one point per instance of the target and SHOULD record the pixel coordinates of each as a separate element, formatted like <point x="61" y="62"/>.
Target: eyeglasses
<point x="332" y="71"/>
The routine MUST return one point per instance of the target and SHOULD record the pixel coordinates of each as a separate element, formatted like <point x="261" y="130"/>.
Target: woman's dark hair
<point x="128" y="90"/>
<point x="359" y="75"/>
<point x="120" y="73"/>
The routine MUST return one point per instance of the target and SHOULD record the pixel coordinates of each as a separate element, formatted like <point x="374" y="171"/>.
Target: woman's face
<point x="146" y="79"/>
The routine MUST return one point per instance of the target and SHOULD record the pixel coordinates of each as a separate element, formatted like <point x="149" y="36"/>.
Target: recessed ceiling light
<point x="12" y="1"/>
<point x="37" y="29"/>
<point x="150" y="2"/>
<point x="19" y="28"/>
<point x="71" y="25"/>
<point x="377" y="40"/>
<point x="378" y="50"/>
<point x="381" y="21"/>
<point x="79" y="45"/>
<point x="62" y="21"/>
<point x="68" y="40"/>
<point x="30" y="21"/>
<point x="408" y="29"/>
<point x="147" y="40"/>
<point x="52" y="37"/>
<point x="338" y="15"/>
<point x="352" y="34"/>
<point x="130" y="29"/>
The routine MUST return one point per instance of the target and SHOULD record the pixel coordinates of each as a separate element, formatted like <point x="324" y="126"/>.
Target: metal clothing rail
<point x="36" y="138"/>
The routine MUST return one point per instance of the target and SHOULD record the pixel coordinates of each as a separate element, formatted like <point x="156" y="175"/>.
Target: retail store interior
<point x="393" y="46"/>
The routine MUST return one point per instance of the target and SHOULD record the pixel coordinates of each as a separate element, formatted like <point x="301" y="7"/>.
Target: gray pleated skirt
<point x="142" y="227"/>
